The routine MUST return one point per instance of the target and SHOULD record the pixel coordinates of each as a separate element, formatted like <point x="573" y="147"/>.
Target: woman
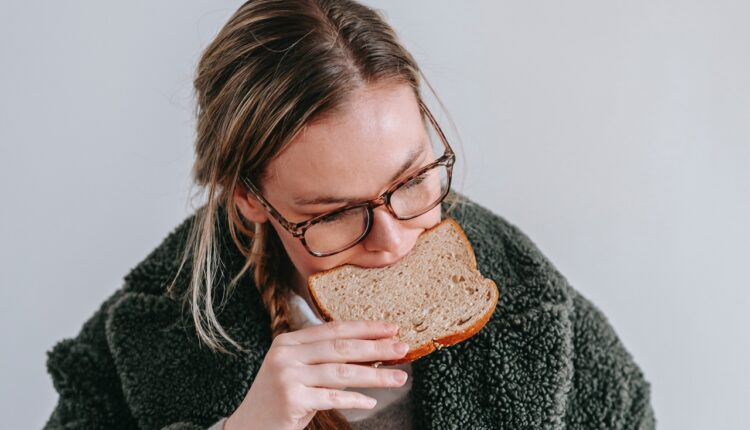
<point x="307" y="109"/>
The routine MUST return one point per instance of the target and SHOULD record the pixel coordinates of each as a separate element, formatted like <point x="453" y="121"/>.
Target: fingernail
<point x="400" y="347"/>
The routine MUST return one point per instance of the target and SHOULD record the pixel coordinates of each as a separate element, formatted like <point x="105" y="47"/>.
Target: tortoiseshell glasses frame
<point x="298" y="229"/>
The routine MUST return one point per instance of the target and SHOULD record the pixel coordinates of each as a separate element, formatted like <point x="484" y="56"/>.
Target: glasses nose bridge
<point x="380" y="201"/>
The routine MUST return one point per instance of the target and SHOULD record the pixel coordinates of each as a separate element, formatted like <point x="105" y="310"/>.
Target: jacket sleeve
<point x="84" y="375"/>
<point x="609" y="390"/>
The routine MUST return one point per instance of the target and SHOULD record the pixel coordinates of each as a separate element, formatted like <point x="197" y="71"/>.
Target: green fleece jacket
<point x="547" y="358"/>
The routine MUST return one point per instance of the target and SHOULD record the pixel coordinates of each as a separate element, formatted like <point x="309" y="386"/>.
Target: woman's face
<point x="353" y="154"/>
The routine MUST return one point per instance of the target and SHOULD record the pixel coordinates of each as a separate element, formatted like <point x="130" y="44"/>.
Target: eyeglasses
<point x="338" y="230"/>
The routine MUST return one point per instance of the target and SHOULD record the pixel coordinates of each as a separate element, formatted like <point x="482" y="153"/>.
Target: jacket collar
<point x="513" y="373"/>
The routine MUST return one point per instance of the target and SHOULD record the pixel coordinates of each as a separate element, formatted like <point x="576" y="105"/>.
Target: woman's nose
<point x="387" y="233"/>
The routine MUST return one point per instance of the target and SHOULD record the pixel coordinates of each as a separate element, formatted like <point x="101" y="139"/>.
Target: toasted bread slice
<point x="435" y="294"/>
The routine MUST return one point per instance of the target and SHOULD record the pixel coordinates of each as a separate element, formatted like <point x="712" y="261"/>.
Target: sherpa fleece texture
<point x="547" y="358"/>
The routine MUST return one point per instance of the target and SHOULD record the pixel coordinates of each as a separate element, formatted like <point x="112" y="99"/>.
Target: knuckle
<point x="343" y="371"/>
<point x="383" y="377"/>
<point x="274" y="353"/>
<point x="280" y="338"/>
<point x="334" y="396"/>
<point x="275" y="356"/>
<point x="336" y="327"/>
<point x="342" y="346"/>
<point x="384" y="346"/>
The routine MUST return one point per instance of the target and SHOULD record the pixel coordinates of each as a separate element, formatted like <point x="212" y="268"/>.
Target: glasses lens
<point x="337" y="231"/>
<point x="421" y="193"/>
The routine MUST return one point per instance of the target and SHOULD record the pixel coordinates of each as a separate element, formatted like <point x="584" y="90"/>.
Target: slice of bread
<point x="435" y="294"/>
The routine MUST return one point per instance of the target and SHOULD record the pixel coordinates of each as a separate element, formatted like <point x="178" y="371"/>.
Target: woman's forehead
<point x="353" y="153"/>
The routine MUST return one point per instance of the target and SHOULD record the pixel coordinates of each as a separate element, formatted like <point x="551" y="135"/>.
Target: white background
<point x="615" y="134"/>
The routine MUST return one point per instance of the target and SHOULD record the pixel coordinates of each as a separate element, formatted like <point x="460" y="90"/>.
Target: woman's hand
<point x="306" y="371"/>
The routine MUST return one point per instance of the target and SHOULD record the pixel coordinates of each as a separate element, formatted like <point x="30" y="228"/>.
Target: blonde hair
<point x="273" y="67"/>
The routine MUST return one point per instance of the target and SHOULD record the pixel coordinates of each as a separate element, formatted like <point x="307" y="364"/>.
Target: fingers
<point x="342" y="375"/>
<point x="360" y="329"/>
<point x="329" y="398"/>
<point x="343" y="350"/>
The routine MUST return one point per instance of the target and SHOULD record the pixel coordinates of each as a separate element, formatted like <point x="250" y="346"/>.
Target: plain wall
<point x="615" y="134"/>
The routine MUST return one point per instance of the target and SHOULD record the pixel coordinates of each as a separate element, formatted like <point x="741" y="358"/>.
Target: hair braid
<point x="272" y="269"/>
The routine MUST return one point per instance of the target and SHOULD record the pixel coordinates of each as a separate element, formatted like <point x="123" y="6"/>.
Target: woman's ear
<point x="248" y="205"/>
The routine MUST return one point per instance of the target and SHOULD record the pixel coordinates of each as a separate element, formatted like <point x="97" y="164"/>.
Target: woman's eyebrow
<point x="411" y="158"/>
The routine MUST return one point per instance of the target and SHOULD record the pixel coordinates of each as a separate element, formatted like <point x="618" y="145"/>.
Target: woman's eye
<point x="316" y="214"/>
<point x="416" y="181"/>
<point x="332" y="217"/>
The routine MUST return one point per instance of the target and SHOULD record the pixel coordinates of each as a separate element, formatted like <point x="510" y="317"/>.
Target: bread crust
<point x="434" y="344"/>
